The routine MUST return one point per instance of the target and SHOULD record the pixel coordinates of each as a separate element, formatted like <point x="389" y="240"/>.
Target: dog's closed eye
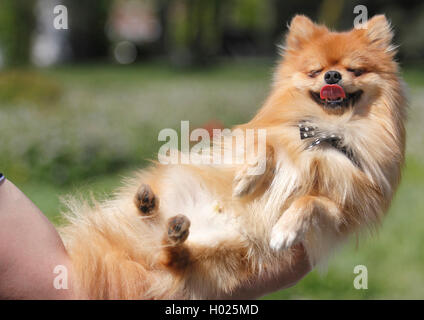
<point x="314" y="73"/>
<point x="357" y="72"/>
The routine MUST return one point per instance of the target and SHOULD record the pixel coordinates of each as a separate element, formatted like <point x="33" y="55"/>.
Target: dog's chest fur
<point x="324" y="169"/>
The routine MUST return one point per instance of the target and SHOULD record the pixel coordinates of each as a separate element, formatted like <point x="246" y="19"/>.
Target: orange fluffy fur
<point x="316" y="197"/>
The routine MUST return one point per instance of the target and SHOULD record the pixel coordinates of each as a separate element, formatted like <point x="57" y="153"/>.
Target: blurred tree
<point x="248" y="27"/>
<point x="162" y="9"/>
<point x="194" y="30"/>
<point x="87" y="24"/>
<point x="197" y="31"/>
<point x="285" y="10"/>
<point x="17" y="23"/>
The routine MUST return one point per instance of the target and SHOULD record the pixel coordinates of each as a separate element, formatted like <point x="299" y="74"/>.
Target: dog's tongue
<point x="332" y="92"/>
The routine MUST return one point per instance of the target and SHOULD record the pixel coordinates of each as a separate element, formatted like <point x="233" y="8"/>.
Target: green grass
<point x="107" y="121"/>
<point x="108" y="118"/>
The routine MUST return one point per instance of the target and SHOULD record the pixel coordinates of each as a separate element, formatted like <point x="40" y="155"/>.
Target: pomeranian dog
<point x="334" y="150"/>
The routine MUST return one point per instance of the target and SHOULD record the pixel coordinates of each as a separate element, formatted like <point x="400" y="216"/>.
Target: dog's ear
<point x="301" y="29"/>
<point x="379" y="32"/>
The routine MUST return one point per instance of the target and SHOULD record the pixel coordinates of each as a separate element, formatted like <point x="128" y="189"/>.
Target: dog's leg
<point x="181" y="256"/>
<point x="251" y="176"/>
<point x="178" y="229"/>
<point x="176" y="254"/>
<point x="318" y="215"/>
<point x="218" y="268"/>
<point x="145" y="200"/>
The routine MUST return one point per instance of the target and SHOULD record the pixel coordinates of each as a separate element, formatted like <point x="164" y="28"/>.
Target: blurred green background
<point x="80" y="108"/>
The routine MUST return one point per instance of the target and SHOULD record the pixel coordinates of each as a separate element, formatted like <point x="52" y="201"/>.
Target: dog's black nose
<point x="332" y="77"/>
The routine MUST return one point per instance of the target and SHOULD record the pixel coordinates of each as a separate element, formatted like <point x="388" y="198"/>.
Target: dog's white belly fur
<point x="211" y="223"/>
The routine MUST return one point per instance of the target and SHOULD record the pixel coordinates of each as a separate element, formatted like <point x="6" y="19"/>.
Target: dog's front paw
<point x="253" y="174"/>
<point x="245" y="182"/>
<point x="283" y="240"/>
<point x="286" y="233"/>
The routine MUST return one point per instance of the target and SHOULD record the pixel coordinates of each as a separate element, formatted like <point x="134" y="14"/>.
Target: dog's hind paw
<point x="145" y="200"/>
<point x="178" y="229"/>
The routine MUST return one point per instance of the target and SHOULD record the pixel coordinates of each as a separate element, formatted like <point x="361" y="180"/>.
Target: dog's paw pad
<point x="145" y="200"/>
<point x="178" y="229"/>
